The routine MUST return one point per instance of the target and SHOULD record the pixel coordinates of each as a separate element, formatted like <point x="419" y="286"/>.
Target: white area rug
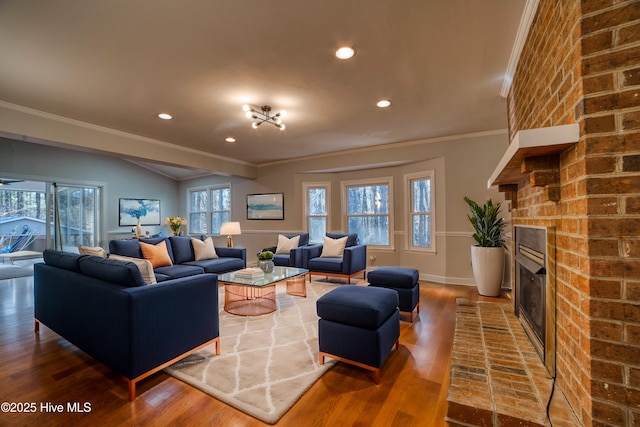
<point x="266" y="363"/>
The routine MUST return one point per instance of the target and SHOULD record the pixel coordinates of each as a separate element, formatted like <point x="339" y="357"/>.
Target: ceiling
<point x="119" y="63"/>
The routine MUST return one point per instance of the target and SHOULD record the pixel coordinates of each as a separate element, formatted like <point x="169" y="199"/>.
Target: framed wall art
<point x="265" y="206"/>
<point x="132" y="210"/>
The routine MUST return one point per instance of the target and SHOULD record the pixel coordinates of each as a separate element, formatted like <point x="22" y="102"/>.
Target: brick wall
<point x="581" y="64"/>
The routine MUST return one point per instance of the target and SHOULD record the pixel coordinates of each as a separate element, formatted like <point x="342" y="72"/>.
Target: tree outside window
<point x="316" y="209"/>
<point x="420" y="193"/>
<point x="368" y="211"/>
<point x="208" y="209"/>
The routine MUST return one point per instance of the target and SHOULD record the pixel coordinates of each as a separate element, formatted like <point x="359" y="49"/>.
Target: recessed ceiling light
<point x="383" y="103"/>
<point x="165" y="116"/>
<point x="230" y="139"/>
<point x="345" y="52"/>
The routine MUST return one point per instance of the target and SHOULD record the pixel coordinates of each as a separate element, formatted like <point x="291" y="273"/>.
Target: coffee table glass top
<point x="278" y="274"/>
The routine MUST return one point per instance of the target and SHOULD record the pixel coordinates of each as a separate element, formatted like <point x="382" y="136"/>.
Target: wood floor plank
<point x="46" y="368"/>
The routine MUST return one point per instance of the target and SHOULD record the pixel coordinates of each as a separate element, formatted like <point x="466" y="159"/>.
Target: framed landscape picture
<point x="130" y="210"/>
<point x="265" y="206"/>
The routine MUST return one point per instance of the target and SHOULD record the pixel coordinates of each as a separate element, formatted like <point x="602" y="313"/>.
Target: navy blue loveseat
<point x="183" y="258"/>
<point x="104" y="308"/>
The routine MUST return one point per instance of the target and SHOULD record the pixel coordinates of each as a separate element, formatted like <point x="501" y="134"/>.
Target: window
<point x="316" y="208"/>
<point x="419" y="191"/>
<point x="208" y="209"/>
<point x="75" y="216"/>
<point x="368" y="213"/>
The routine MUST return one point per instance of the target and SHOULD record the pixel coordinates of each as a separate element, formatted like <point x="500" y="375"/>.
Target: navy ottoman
<point x="404" y="281"/>
<point x="358" y="325"/>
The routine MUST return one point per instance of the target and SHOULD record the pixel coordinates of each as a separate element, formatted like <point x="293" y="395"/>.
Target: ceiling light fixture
<point x="383" y="103"/>
<point x="165" y="116"/>
<point x="345" y="52"/>
<point x="264" y="116"/>
<point x="230" y="139"/>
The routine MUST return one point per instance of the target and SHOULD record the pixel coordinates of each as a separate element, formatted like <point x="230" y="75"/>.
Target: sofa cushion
<point x="144" y="265"/>
<point x="219" y="265"/>
<point x="333" y="248"/>
<point x="177" y="271"/>
<point x="360" y="306"/>
<point x="182" y="249"/>
<point x="157" y="254"/>
<point x="110" y="270"/>
<point x="329" y="265"/>
<point x="285" y="244"/>
<point x="66" y="260"/>
<point x="203" y="249"/>
<point x="352" y="238"/>
<point x="125" y="247"/>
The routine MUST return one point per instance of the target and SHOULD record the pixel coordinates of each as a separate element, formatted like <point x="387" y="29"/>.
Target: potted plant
<point x="487" y="256"/>
<point x="265" y="260"/>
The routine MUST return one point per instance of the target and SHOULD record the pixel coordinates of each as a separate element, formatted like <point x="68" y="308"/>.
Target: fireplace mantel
<point x="532" y="143"/>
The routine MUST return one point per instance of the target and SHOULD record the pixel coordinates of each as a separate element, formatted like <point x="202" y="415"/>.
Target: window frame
<point x="408" y="193"/>
<point x="209" y="211"/>
<point x="306" y="186"/>
<point x="388" y="181"/>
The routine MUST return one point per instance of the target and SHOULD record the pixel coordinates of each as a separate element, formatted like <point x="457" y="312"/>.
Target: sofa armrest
<point x="233" y="253"/>
<point x="355" y="259"/>
<point x="295" y="257"/>
<point x="171" y="318"/>
<point x="310" y="252"/>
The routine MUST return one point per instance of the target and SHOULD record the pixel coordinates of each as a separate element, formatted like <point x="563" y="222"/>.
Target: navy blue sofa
<point x="352" y="263"/>
<point x="183" y="258"/>
<point x="294" y="257"/>
<point x="104" y="308"/>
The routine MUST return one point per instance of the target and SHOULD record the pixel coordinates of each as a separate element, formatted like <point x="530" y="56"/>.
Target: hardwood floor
<point x="412" y="391"/>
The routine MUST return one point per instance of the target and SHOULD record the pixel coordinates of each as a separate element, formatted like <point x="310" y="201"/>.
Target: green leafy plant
<point x="265" y="255"/>
<point x="487" y="223"/>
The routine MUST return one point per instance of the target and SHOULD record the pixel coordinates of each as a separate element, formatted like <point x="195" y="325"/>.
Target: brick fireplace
<point x="581" y="65"/>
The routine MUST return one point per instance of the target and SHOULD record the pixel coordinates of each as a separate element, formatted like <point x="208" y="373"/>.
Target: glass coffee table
<point x="253" y="297"/>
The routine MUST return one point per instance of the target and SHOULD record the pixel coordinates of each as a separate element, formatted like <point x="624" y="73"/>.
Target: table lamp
<point x="230" y="228"/>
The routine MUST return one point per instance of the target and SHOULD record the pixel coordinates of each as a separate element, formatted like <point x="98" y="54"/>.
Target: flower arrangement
<point x="174" y="223"/>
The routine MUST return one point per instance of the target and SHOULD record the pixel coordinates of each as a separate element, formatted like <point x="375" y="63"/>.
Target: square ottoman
<point x="404" y="281"/>
<point x="358" y="325"/>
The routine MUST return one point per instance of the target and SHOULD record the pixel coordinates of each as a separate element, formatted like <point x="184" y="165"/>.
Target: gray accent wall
<point x="117" y="177"/>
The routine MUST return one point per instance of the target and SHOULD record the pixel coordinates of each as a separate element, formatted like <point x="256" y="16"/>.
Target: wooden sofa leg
<point x="36" y="326"/>
<point x="132" y="390"/>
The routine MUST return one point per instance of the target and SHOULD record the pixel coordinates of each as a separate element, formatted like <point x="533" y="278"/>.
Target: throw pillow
<point x="92" y="250"/>
<point x="203" y="249"/>
<point x="285" y="244"/>
<point x="144" y="265"/>
<point x="333" y="248"/>
<point x="157" y="254"/>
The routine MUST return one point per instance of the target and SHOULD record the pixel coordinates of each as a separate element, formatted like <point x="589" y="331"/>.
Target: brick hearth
<point x="497" y="379"/>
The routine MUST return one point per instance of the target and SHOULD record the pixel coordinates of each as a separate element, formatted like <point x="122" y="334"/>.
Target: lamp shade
<point x="230" y="228"/>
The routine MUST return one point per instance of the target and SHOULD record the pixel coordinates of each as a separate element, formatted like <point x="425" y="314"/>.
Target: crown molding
<point x="529" y="13"/>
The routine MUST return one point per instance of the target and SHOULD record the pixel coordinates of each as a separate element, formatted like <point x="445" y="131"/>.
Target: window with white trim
<point x="316" y="210"/>
<point x="208" y="209"/>
<point x="367" y="207"/>
<point x="419" y="189"/>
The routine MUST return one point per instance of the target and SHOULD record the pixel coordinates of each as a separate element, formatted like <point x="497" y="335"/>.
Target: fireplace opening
<point x="535" y="295"/>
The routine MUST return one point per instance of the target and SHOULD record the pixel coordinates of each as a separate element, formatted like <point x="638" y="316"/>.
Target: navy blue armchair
<point x="352" y="263"/>
<point x="294" y="257"/>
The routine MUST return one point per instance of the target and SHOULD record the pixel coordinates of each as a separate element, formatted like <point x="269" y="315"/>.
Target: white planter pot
<point x="488" y="269"/>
